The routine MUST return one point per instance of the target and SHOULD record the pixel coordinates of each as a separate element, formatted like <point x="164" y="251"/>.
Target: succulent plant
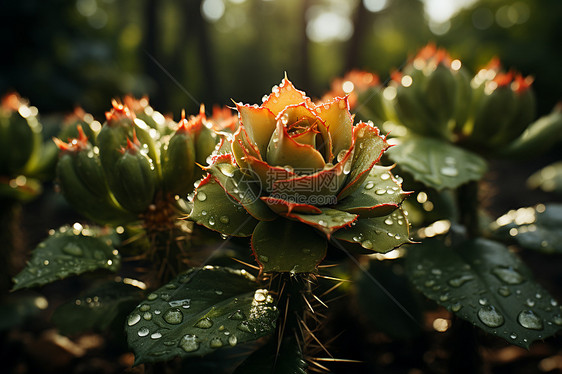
<point x="298" y="174"/>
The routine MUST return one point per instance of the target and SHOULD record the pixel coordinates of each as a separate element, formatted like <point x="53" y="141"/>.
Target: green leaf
<point x="69" y="251"/>
<point x="548" y="179"/>
<point x="539" y="137"/>
<point x="436" y="163"/>
<point x="379" y="195"/>
<point x="383" y="312"/>
<point x="484" y="283"/>
<point x="538" y="228"/>
<point x="198" y="312"/>
<point x="379" y="234"/>
<point x="242" y="188"/>
<point x="287" y="246"/>
<point x="213" y="209"/>
<point x="98" y="309"/>
<point x="328" y="221"/>
<point x="289" y="360"/>
<point x="368" y="149"/>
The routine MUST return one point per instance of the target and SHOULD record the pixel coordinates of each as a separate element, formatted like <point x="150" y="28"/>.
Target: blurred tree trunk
<point x="361" y="21"/>
<point x="198" y="34"/>
<point x="303" y="54"/>
<point x="150" y="54"/>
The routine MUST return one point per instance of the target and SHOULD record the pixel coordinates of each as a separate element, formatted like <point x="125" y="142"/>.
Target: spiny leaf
<point x="287" y="246"/>
<point x="214" y="209"/>
<point x="436" y="163"/>
<point x="484" y="283"/>
<point x="198" y="312"/>
<point x="379" y="195"/>
<point x="378" y="234"/>
<point x="69" y="251"/>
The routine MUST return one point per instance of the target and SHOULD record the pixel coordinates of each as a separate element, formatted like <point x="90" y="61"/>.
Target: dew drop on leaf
<point x="224" y="219"/>
<point x="204" y="323"/>
<point x="173" y="316"/>
<point x="201" y="196"/>
<point x="232" y="340"/>
<point x="72" y="249"/>
<point x="133" y="319"/>
<point x="237" y="316"/>
<point x="143" y="331"/>
<point x="144" y="307"/>
<point x="215" y="343"/>
<point x="459" y="281"/>
<point x="189" y="343"/>
<point x="508" y="275"/>
<point x="152" y="296"/>
<point x="156" y="335"/>
<point x="490" y="317"/>
<point x="147" y="316"/>
<point x="530" y="320"/>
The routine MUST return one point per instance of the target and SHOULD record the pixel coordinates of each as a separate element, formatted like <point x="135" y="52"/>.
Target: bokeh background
<point x="62" y="53"/>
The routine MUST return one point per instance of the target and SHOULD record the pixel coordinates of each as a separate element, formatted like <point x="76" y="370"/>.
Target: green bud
<point x="178" y="162"/>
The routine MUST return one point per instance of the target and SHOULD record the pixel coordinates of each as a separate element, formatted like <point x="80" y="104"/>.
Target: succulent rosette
<point x="296" y="175"/>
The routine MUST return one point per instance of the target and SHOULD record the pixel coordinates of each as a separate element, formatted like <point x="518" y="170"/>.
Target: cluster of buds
<point x="114" y="175"/>
<point x="23" y="155"/>
<point x="434" y="96"/>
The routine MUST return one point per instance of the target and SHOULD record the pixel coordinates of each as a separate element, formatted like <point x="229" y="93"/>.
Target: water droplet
<point x="504" y="291"/>
<point x="237" y="316"/>
<point x="557" y="320"/>
<point x="204" y="323"/>
<point x="173" y="316"/>
<point x="184" y="303"/>
<point x="483" y="301"/>
<point x="144" y="307"/>
<point x="203" y="212"/>
<point x="538" y="295"/>
<point x="429" y="283"/>
<point x="436" y="272"/>
<point x="530" y="320"/>
<point x="243" y="326"/>
<point x="212" y="221"/>
<point x="449" y="171"/>
<point x="201" y="196"/>
<point x="397" y="237"/>
<point x="508" y="275"/>
<point x="530" y="302"/>
<point x="385" y="176"/>
<point x="513" y="336"/>
<point x="72" y="249"/>
<point x="215" y="343"/>
<point x="157" y="311"/>
<point x="263" y="258"/>
<point x="490" y="317"/>
<point x="369" y="185"/>
<point x="456" y="307"/>
<point x="156" y="335"/>
<point x="380" y="192"/>
<point x="133" y="319"/>
<point x="152" y="296"/>
<point x="147" y="316"/>
<point x="553" y="302"/>
<point x="143" y="331"/>
<point x="459" y="281"/>
<point x="306" y="251"/>
<point x="322" y="223"/>
<point x="367" y="244"/>
<point x="232" y="340"/>
<point x="444" y="297"/>
<point x="341" y="155"/>
<point x="224" y="219"/>
<point x="218" y="292"/>
<point x="189" y="343"/>
<point x="347" y="168"/>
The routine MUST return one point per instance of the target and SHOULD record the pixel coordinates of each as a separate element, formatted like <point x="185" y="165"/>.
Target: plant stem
<point x="467" y="200"/>
<point x="10" y="217"/>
